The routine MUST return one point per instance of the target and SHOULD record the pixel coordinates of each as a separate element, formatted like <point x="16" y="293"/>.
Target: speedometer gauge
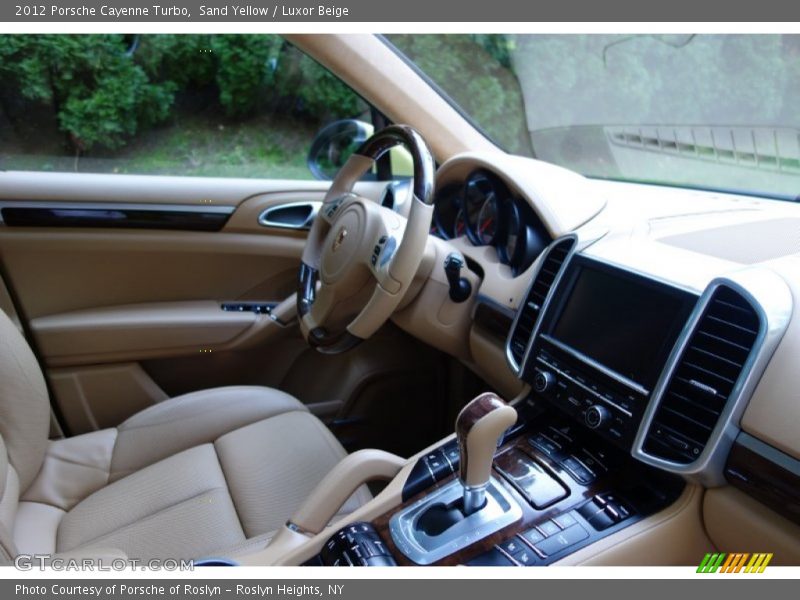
<point x="489" y="221"/>
<point x="478" y="190"/>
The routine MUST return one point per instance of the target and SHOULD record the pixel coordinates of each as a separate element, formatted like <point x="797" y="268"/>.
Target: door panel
<point x="106" y="291"/>
<point x="135" y="331"/>
<point x="54" y="270"/>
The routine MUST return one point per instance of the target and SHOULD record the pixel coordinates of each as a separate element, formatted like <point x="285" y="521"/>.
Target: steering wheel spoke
<point x="323" y="305"/>
<point x="332" y="207"/>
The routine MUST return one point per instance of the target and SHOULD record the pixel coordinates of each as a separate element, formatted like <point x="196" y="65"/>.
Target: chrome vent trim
<point x="763" y="299"/>
<point x="712" y="362"/>
<point x="545" y="279"/>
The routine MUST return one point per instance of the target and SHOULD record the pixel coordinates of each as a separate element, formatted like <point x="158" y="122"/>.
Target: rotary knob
<point x="543" y="381"/>
<point x="596" y="416"/>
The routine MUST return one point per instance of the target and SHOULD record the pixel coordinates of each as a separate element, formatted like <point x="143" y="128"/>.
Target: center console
<point x="555" y="488"/>
<point x="635" y="386"/>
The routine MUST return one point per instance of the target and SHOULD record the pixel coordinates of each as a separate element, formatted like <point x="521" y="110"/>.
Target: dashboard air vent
<point x="537" y="294"/>
<point x="704" y="378"/>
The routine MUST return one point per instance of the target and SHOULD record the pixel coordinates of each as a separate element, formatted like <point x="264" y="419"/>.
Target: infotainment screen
<point x="625" y="323"/>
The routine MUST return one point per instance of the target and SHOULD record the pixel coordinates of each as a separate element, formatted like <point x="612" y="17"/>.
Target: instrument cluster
<point x="483" y="209"/>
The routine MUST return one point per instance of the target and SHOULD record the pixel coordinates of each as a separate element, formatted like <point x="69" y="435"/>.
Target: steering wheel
<point x="355" y="244"/>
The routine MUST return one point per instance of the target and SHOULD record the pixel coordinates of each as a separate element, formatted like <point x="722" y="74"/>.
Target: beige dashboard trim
<point x="432" y="316"/>
<point x="738" y="523"/>
<point x="563" y="199"/>
<point x="773" y="413"/>
<point x="145" y="189"/>
<point x="490" y="363"/>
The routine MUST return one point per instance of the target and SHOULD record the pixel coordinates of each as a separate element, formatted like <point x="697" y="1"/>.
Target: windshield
<point x="706" y="111"/>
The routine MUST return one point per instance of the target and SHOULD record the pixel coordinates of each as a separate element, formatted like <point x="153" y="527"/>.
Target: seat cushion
<point x="178" y="507"/>
<point x="73" y="468"/>
<point x="273" y="465"/>
<point x="196" y="418"/>
<point x="190" y="477"/>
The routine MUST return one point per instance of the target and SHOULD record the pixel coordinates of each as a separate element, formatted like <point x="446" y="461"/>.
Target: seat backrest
<point x="24" y="405"/>
<point x="9" y="501"/>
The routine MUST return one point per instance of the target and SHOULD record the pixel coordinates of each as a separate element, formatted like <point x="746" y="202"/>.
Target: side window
<point x="199" y="105"/>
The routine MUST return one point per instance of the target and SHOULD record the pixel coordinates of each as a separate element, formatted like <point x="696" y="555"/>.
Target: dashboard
<point x="661" y="319"/>
<point x="657" y="370"/>
<point x="483" y="209"/>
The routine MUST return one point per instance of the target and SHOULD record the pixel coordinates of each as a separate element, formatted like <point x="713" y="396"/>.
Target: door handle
<point x="293" y="215"/>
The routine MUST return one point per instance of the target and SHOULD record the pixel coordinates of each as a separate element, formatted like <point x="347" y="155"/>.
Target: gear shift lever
<point x="474" y="507"/>
<point x="478" y="427"/>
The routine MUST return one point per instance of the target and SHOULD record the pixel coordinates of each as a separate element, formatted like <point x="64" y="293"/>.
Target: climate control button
<point x="597" y="416"/>
<point x="543" y="381"/>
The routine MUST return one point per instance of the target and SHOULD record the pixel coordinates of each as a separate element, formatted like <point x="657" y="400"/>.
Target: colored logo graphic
<point x="735" y="562"/>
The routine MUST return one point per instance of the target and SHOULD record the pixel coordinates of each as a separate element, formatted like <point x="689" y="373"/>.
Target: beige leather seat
<point x="205" y="474"/>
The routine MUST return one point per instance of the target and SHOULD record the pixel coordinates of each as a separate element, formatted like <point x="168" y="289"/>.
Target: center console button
<point x="601" y="520"/>
<point x="559" y="436"/>
<point x="565" y="520"/>
<point x="519" y="551"/>
<point x="438" y="464"/>
<point x="595" y="457"/>
<point x="452" y="454"/>
<point x="355" y="545"/>
<point x="604" y="510"/>
<point x="578" y="471"/>
<point x="616" y="433"/>
<point x="533" y="536"/>
<point x="549" y="528"/>
<point x="525" y="557"/>
<point x="590" y="462"/>
<point x="380" y="561"/>
<point x="512" y="546"/>
<point x="546" y="445"/>
<point x="556" y="543"/>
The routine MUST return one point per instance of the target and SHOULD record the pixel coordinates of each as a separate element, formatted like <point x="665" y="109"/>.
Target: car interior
<point x="491" y="361"/>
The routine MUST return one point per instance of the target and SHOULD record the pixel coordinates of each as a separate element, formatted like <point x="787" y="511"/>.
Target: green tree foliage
<point x="242" y="70"/>
<point x="104" y="89"/>
<point x="475" y="70"/>
<point x="313" y="90"/>
<point x="99" y="94"/>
